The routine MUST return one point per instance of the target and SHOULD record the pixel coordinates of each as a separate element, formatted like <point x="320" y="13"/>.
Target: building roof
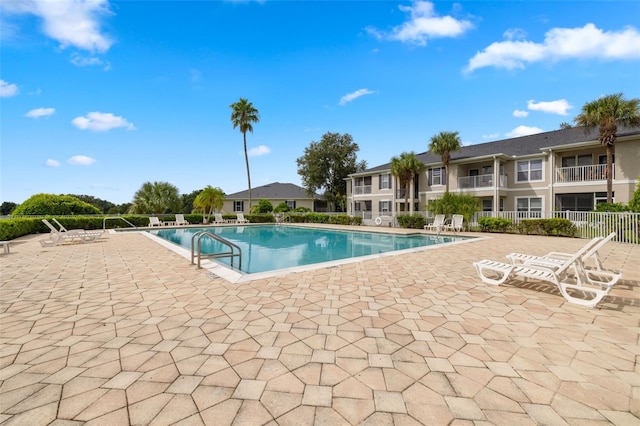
<point x="516" y="147"/>
<point x="275" y="191"/>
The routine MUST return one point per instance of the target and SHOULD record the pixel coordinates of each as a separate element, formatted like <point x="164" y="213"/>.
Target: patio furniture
<point x="75" y="235"/>
<point x="180" y="221"/>
<point x="496" y="273"/>
<point x="457" y="222"/>
<point x="437" y="225"/>
<point x="5" y="246"/>
<point x="241" y="218"/>
<point x="154" y="221"/>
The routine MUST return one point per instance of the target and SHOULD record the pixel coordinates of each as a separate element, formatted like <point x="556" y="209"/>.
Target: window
<point x="363" y="181"/>
<point x="602" y="159"/>
<point x="530" y="170"/>
<point x="487" y="205"/>
<point x="238" y="206"/>
<point x="384" y="181"/>
<point x="437" y="176"/>
<point x="487" y="170"/>
<point x="363" y="206"/>
<point x="529" y="205"/>
<point x="384" y="207"/>
<point x="577" y="160"/>
<point x="291" y="204"/>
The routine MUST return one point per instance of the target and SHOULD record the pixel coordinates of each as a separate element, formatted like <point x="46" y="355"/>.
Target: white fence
<point x="589" y="224"/>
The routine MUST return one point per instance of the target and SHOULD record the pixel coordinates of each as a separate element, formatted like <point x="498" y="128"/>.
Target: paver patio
<point x="125" y="331"/>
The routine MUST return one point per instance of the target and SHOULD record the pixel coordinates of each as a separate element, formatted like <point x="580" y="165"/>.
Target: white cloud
<point x="52" y="163"/>
<point x="259" y="151"/>
<point x="89" y="61"/>
<point x="423" y="24"/>
<point x="491" y="136"/>
<point x="71" y="22"/>
<point x="101" y="122"/>
<point x="588" y="42"/>
<point x="520" y="114"/>
<point x="524" y="131"/>
<point x="81" y="160"/>
<point x="355" y="95"/>
<point x="40" y="112"/>
<point x="7" y="89"/>
<point x="559" y="107"/>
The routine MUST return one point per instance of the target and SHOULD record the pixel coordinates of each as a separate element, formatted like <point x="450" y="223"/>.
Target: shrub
<point x="50" y="204"/>
<point x="494" y="224"/>
<point x="281" y="208"/>
<point x="263" y="206"/>
<point x="612" y="207"/>
<point x="555" y="226"/>
<point x="634" y="202"/>
<point x="413" y="221"/>
<point x="453" y="203"/>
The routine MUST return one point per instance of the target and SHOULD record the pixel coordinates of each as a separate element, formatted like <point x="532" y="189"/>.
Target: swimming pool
<point x="273" y="247"/>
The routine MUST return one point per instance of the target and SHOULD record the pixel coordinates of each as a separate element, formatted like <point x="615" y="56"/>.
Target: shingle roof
<point x="515" y="147"/>
<point x="275" y="191"/>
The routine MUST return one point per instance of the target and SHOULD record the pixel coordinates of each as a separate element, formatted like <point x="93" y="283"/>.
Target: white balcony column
<point x="411" y="201"/>
<point x="496" y="184"/>
<point x="552" y="179"/>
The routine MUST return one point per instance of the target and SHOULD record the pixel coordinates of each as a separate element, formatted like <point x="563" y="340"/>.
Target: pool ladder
<point x="232" y="253"/>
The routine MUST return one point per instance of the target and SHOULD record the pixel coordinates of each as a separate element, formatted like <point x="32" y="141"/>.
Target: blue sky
<point x="99" y="97"/>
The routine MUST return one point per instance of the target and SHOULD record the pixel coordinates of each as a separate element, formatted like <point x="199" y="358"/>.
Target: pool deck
<point x="125" y="331"/>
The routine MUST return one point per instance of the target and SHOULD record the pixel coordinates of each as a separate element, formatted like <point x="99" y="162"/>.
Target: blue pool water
<point x="271" y="247"/>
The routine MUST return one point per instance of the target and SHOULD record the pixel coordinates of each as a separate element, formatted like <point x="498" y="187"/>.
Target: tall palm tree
<point x="606" y="113"/>
<point x="209" y="200"/>
<point x="242" y="116"/>
<point x="443" y="144"/>
<point x="157" y="198"/>
<point x="404" y="168"/>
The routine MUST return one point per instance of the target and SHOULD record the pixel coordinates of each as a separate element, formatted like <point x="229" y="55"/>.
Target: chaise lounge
<point x="496" y="273"/>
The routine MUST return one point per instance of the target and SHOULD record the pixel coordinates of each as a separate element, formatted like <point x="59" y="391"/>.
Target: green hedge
<point x="20" y="226"/>
<point x="556" y="226"/>
<point x="413" y="221"/>
<point x="494" y="224"/>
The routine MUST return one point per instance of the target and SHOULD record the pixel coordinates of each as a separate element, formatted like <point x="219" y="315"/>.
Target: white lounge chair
<point x="96" y="232"/>
<point x="75" y="235"/>
<point x="241" y="218"/>
<point x="496" y="273"/>
<point x="456" y="225"/>
<point x="154" y="221"/>
<point x="437" y="225"/>
<point x="219" y="219"/>
<point x="595" y="275"/>
<point x="180" y="221"/>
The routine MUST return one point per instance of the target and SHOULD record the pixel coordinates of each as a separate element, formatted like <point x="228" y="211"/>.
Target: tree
<point x="209" y="200"/>
<point x="443" y="144"/>
<point x="7" y="207"/>
<point x="634" y="202"/>
<point x="156" y="198"/>
<point x="326" y="164"/>
<point x="606" y="113"/>
<point x="188" y="199"/>
<point x="50" y="204"/>
<point x="242" y="116"/>
<point x="564" y="125"/>
<point x="263" y="206"/>
<point x="405" y="168"/>
<point x="103" y="205"/>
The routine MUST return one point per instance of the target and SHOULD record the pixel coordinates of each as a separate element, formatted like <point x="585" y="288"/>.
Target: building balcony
<point x="595" y="172"/>
<point x="360" y="190"/>
<point x="480" y="181"/>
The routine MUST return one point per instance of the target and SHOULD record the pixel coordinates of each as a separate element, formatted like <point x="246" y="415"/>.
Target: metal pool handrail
<point x="231" y="253"/>
<point x="104" y="222"/>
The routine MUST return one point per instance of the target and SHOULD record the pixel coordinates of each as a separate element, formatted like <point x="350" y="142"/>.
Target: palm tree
<point x="242" y="115"/>
<point x="443" y="144"/>
<point x="606" y="113"/>
<point x="157" y="198"/>
<point x="209" y="200"/>
<point x="404" y="168"/>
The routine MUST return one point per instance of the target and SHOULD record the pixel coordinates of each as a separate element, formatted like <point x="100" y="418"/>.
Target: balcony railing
<point x="480" y="181"/>
<point x="583" y="173"/>
<point x="364" y="189"/>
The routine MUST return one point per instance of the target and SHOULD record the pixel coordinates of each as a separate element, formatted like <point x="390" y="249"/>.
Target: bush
<point x="555" y="226"/>
<point x="50" y="204"/>
<point x="263" y="206"/>
<point x="453" y="203"/>
<point x="281" y="208"/>
<point x="413" y="221"/>
<point x="494" y="224"/>
<point x="612" y="207"/>
<point x="634" y="202"/>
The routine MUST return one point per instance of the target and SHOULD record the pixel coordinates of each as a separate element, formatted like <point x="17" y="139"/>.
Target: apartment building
<point x="552" y="171"/>
<point x="293" y="195"/>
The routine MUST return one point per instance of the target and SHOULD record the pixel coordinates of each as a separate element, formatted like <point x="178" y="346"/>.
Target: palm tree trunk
<point x="446" y="177"/>
<point x="246" y="160"/>
<point x="609" y="173"/>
